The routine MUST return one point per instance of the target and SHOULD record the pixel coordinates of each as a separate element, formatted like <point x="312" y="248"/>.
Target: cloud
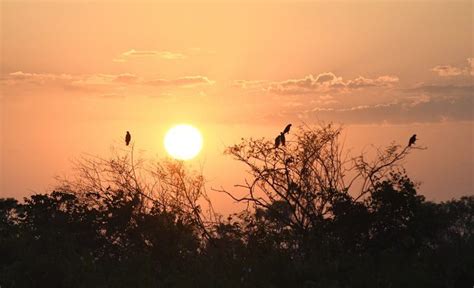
<point x="424" y="103"/>
<point x="444" y="90"/>
<point x="134" y="54"/>
<point x="422" y="110"/>
<point x="250" y="84"/>
<point x="92" y="83"/>
<point x="21" y="77"/>
<point x="327" y="81"/>
<point x="326" y="100"/>
<point x="33" y="78"/>
<point x="323" y="80"/>
<point x="103" y="83"/>
<point x="471" y="66"/>
<point x="449" y="70"/>
<point x="189" y="81"/>
<point x="382" y="81"/>
<point x="126" y="78"/>
<point x="106" y="79"/>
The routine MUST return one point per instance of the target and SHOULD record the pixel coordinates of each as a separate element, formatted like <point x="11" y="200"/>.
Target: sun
<point x="183" y="142"/>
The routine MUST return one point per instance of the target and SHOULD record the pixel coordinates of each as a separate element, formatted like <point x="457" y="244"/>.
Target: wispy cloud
<point x="135" y="54"/>
<point x="362" y="82"/>
<point x="104" y="83"/>
<point x="443" y="90"/>
<point x="188" y="81"/>
<point x="424" y="103"/>
<point x="330" y="98"/>
<point x="33" y="78"/>
<point x="106" y="79"/>
<point x="450" y="70"/>
<point x="49" y="79"/>
<point x="423" y="110"/>
<point x="250" y="84"/>
<point x="471" y="65"/>
<point x="327" y="81"/>
<point x="320" y="83"/>
<point x="447" y="70"/>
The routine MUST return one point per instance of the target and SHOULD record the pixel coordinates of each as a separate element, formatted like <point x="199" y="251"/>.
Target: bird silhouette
<point x="277" y="141"/>
<point x="128" y="137"/>
<point x="412" y="140"/>
<point x="287" y="129"/>
<point x="280" y="139"/>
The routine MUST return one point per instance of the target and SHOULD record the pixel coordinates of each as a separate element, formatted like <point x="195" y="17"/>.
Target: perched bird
<point x="412" y="140"/>
<point x="128" y="137"/>
<point x="280" y="139"/>
<point x="277" y="141"/>
<point x="287" y="129"/>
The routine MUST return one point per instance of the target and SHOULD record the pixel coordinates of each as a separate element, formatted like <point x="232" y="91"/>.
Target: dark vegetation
<point x="313" y="216"/>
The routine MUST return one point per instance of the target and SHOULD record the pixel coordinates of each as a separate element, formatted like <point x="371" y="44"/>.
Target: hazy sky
<point x="75" y="75"/>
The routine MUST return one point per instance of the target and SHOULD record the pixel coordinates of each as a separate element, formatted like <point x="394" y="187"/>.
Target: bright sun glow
<point x="183" y="142"/>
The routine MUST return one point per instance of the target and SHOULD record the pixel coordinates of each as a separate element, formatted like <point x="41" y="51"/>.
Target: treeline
<point x="307" y="225"/>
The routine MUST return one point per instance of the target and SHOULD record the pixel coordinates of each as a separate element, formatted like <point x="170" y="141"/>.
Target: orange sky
<point x="75" y="75"/>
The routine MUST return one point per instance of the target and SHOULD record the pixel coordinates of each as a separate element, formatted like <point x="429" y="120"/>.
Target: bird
<point x="287" y="129"/>
<point x="128" y="137"/>
<point x="277" y="141"/>
<point x="280" y="139"/>
<point x="412" y="140"/>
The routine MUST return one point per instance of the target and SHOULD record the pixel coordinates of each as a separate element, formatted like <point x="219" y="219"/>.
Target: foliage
<point x="317" y="218"/>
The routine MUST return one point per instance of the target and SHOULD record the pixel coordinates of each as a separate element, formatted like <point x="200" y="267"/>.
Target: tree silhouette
<point x="317" y="217"/>
<point x="166" y="185"/>
<point x="310" y="175"/>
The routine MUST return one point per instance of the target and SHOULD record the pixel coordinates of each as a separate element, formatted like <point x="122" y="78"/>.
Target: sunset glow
<point x="74" y="79"/>
<point x="183" y="142"/>
<point x="236" y="143"/>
